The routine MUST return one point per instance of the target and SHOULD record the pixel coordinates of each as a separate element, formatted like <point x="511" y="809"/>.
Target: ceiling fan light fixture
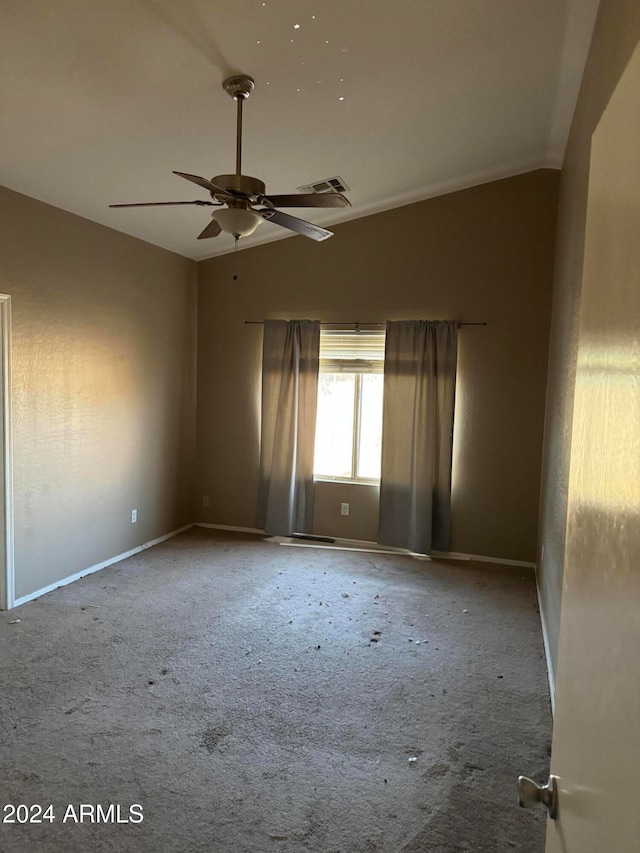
<point x="237" y="221"/>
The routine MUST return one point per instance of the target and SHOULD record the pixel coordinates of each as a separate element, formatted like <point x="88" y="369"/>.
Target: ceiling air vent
<point x="329" y="185"/>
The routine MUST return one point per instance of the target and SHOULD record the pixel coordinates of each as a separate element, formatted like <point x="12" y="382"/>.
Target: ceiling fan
<point x="241" y="200"/>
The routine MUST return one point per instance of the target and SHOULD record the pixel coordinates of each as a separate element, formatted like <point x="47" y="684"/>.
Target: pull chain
<point x="235" y="264"/>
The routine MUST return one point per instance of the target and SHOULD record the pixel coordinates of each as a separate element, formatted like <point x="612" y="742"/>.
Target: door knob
<point x="531" y="794"/>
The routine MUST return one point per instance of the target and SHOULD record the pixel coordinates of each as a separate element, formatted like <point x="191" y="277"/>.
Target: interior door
<point x="596" y="744"/>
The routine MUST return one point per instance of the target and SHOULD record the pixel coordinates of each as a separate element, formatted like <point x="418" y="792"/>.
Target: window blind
<point x="352" y="352"/>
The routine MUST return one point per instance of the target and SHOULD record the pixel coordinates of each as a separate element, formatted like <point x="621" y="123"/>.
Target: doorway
<point x="7" y="580"/>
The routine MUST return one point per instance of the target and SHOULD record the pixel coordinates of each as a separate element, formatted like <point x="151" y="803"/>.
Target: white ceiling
<point x="101" y="99"/>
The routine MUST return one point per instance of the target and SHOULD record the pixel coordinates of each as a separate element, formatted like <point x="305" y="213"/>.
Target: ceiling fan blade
<point x="300" y="226"/>
<point x="212" y="230"/>
<point x="310" y="200"/>
<point x="156" y="203"/>
<point x="203" y="182"/>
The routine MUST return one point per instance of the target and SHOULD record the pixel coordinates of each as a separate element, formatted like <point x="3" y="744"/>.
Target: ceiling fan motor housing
<point x="242" y="184"/>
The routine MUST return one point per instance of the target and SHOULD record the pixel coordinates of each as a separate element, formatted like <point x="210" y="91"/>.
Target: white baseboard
<point x="547" y="648"/>
<point x="479" y="558"/>
<point x="364" y="545"/>
<point x="336" y="545"/>
<point x="229" y="527"/>
<point x="23" y="599"/>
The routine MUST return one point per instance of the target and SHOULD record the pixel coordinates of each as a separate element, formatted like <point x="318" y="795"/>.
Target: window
<point x="349" y="420"/>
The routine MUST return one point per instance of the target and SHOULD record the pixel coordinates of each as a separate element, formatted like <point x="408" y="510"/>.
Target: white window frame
<point x="359" y="367"/>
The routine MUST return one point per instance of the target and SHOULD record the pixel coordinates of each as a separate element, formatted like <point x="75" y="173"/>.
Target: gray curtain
<point x="417" y="434"/>
<point x="290" y="361"/>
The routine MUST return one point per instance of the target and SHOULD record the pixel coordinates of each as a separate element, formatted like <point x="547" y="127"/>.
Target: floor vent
<point x="329" y="185"/>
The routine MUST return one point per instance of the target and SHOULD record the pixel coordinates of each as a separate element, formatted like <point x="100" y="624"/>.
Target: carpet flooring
<point x="251" y="698"/>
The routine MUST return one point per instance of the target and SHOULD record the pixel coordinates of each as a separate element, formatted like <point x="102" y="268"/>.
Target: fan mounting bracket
<point x="239" y="86"/>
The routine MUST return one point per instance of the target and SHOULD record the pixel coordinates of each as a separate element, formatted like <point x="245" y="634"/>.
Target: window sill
<point x="346" y="481"/>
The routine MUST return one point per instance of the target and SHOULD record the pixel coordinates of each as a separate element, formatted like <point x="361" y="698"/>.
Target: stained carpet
<point x="254" y="698"/>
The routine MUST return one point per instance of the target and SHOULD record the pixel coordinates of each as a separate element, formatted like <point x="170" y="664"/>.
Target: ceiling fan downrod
<point x="239" y="88"/>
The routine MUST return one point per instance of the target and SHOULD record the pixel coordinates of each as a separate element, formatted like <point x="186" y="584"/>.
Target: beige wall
<point x="103" y="379"/>
<point x="362" y="521"/>
<point x="616" y="33"/>
<point x="481" y="254"/>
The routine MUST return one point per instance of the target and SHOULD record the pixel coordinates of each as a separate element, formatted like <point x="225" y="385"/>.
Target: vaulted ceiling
<point x="101" y="99"/>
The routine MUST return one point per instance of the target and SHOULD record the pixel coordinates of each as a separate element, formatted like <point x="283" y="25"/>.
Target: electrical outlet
<point x="134" y="516"/>
<point x="344" y="509"/>
<point x="205" y="500"/>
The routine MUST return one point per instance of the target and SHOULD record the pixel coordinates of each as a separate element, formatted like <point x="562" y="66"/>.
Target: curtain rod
<point x="261" y="323"/>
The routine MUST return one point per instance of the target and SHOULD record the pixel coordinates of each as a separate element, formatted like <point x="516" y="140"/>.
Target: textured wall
<point x="615" y="35"/>
<point x="103" y="389"/>
<point x="482" y="254"/>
